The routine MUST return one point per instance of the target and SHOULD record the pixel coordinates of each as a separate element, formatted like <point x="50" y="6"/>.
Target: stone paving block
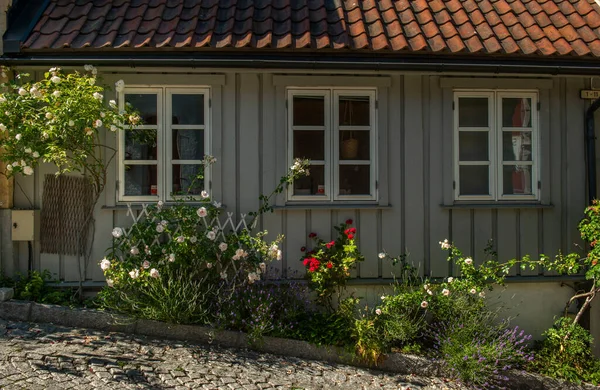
<point x="15" y="310"/>
<point x="6" y="293"/>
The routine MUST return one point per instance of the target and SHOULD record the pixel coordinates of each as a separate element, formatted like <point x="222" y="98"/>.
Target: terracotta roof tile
<point x="509" y="27"/>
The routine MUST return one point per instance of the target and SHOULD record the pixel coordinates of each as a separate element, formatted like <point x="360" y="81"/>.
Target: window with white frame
<point x="336" y="130"/>
<point x="496" y="145"/>
<point x="162" y="157"/>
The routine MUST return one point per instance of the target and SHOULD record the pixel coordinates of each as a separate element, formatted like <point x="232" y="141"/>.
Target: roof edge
<point x="321" y="61"/>
<point x="21" y="19"/>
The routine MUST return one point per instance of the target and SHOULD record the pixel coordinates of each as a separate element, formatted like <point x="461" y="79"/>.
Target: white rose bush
<point x="178" y="263"/>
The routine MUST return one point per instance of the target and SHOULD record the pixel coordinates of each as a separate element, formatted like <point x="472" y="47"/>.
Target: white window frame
<point x="331" y="130"/>
<point x="164" y="140"/>
<point x="495" y="145"/>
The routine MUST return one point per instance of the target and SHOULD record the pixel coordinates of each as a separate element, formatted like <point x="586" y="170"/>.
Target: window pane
<point x="145" y="104"/>
<point x="473" y="146"/>
<point x="309" y="111"/>
<point x="188" y="144"/>
<point x="517" y="180"/>
<point x="355" y="180"/>
<point x="188" y="109"/>
<point x="516" y="112"/>
<point x="140" y="180"/>
<point x="188" y="179"/>
<point x="313" y="184"/>
<point x="354" y="111"/>
<point x="355" y="145"/>
<point x="140" y="144"/>
<point x="516" y="146"/>
<point x="473" y="112"/>
<point x="309" y="144"/>
<point x="474" y="180"/>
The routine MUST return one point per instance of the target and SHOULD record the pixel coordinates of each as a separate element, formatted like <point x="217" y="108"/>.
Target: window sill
<point x="496" y="205"/>
<point x="331" y="206"/>
<point x="166" y="205"/>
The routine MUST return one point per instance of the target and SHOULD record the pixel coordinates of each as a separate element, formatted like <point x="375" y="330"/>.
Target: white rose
<point x="48" y="115"/>
<point x="445" y="292"/>
<point x="23" y="163"/>
<point x="204" y="194"/>
<point x="134" y="273"/>
<point x="22" y="91"/>
<point x="15" y="164"/>
<point x="223" y="247"/>
<point x="468" y="261"/>
<point x="109" y="282"/>
<point x="112" y="103"/>
<point x="154" y="273"/>
<point x="172" y="257"/>
<point x="211" y="235"/>
<point x="9" y="168"/>
<point x="134" y="251"/>
<point x="71" y="123"/>
<point x="56" y="93"/>
<point x="208" y="265"/>
<point x="97" y="123"/>
<point x="55" y="79"/>
<point x="180" y="239"/>
<point x="97" y="96"/>
<point x="28" y="170"/>
<point x="382" y="255"/>
<point x="202" y="212"/>
<point x="160" y="228"/>
<point x="378" y="312"/>
<point x="105" y="264"/>
<point x="424" y="304"/>
<point x="146" y="264"/>
<point x="193" y="239"/>
<point x="117" y="232"/>
<point x="18" y="137"/>
<point x="28" y="150"/>
<point x="473" y="291"/>
<point x="2" y="127"/>
<point x="450" y="279"/>
<point x="120" y="86"/>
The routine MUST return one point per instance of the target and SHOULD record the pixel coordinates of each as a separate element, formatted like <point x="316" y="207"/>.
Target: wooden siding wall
<point x="415" y="175"/>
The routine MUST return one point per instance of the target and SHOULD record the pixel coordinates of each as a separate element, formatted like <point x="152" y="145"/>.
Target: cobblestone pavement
<point x="34" y="356"/>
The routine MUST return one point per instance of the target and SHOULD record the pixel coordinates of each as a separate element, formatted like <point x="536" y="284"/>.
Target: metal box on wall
<point x="25" y="225"/>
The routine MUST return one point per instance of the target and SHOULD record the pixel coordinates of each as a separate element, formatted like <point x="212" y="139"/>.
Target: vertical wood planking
<point x="295" y="227"/>
<point x="507" y="236"/>
<point x="391" y="220"/>
<point x="461" y="232"/>
<point x="413" y="175"/>
<point x="552" y="184"/>
<point x="248" y="168"/>
<point x="216" y="149"/>
<point x="575" y="161"/>
<point x="229" y="155"/>
<point x="529" y="224"/>
<point x="102" y="240"/>
<point x="368" y="243"/>
<point x="440" y="111"/>
<point x="482" y="234"/>
<point x="320" y="223"/>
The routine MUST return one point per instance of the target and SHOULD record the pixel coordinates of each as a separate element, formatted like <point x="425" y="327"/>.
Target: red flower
<point x="329" y="265"/>
<point x="306" y="261"/>
<point x="312" y="235"/>
<point x="347" y="231"/>
<point x="314" y="264"/>
<point x="352" y="230"/>
<point x="330" y="244"/>
<point x="303" y="249"/>
<point x="350" y="236"/>
<point x="349" y="222"/>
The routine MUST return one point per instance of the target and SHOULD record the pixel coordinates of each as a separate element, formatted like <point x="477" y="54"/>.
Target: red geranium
<point x="350" y="236"/>
<point x="306" y="261"/>
<point x="349" y="222"/>
<point x="312" y="235"/>
<point x="329" y="265"/>
<point x="303" y="249"/>
<point x="330" y="244"/>
<point x="313" y="264"/>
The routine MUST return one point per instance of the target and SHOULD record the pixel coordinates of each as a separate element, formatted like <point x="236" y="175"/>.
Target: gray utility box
<point x="25" y="225"/>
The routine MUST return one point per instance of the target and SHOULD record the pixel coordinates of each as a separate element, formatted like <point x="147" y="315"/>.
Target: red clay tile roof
<point x="518" y="27"/>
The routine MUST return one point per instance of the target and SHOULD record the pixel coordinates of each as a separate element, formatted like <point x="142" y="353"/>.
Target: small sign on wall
<point x="590" y="94"/>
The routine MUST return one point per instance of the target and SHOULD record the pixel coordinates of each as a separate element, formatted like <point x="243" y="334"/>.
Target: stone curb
<point x="93" y="319"/>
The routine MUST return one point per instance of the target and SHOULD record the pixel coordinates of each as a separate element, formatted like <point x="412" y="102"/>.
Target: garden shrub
<point x="565" y="352"/>
<point x="33" y="287"/>
<point x="263" y="308"/>
<point x="329" y="264"/>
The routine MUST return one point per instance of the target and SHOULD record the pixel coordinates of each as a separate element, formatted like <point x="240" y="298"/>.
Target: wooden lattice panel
<point x="66" y="201"/>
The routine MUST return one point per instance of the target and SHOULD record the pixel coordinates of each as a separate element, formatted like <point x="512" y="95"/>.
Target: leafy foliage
<point x="566" y="353"/>
<point x="329" y="263"/>
<point x="33" y="287"/>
